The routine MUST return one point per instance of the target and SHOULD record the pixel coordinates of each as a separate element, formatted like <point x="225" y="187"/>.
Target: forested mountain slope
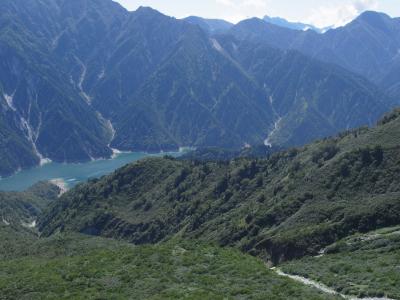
<point x="77" y="266"/>
<point x="292" y="204"/>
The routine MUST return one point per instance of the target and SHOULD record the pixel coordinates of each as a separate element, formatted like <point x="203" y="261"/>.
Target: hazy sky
<point x="317" y="12"/>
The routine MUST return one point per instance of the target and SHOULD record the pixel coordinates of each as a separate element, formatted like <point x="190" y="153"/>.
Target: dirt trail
<point x="320" y="286"/>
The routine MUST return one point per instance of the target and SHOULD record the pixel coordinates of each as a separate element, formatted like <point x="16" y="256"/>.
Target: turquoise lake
<point x="72" y="174"/>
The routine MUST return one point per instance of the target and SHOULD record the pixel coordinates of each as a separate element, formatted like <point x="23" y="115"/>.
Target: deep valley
<point x="144" y="156"/>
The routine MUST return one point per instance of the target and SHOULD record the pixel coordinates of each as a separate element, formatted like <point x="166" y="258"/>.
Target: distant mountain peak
<point x="293" y="25"/>
<point x="375" y="19"/>
<point x="210" y="25"/>
<point x="370" y="15"/>
<point x="151" y="15"/>
<point x="147" y="10"/>
<point x="253" y="22"/>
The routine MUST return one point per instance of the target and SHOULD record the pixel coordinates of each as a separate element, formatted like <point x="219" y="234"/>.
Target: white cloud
<point x="237" y="10"/>
<point x="339" y="15"/>
<point x="243" y="4"/>
<point x="254" y="3"/>
<point x="363" y="5"/>
<point x="226" y="2"/>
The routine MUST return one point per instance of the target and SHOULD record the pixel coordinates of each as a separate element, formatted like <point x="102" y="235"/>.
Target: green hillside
<point x="289" y="205"/>
<point x="201" y="229"/>
<point x="79" y="267"/>
<point x="363" y="265"/>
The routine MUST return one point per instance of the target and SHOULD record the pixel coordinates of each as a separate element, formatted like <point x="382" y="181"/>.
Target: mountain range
<point x="358" y="46"/>
<point x="80" y="78"/>
<point x="294" y="25"/>
<point x="292" y="191"/>
<point x="219" y="26"/>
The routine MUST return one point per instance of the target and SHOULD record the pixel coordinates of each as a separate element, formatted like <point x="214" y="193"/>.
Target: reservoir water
<point x="72" y="174"/>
